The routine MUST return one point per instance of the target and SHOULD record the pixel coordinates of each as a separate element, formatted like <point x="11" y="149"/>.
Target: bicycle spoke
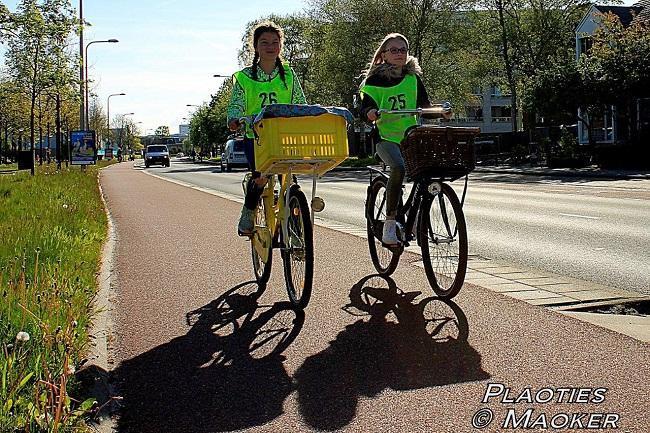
<point x="443" y="239"/>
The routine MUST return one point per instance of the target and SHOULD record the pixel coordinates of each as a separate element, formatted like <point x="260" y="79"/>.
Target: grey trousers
<point x="391" y="154"/>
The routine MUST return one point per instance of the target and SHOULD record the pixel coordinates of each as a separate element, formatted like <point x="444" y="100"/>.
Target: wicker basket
<point x="439" y="152"/>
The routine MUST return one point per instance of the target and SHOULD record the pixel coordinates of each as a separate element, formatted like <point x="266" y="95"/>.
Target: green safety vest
<point x="403" y="96"/>
<point x="259" y="94"/>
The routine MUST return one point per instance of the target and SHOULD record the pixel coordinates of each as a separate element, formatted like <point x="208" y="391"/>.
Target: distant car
<point x="233" y="155"/>
<point x="180" y="155"/>
<point x="157" y="154"/>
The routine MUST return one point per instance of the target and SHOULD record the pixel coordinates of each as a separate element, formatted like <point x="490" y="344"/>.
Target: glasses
<point x="397" y="50"/>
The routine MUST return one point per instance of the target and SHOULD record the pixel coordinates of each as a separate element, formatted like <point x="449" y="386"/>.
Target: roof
<point x="625" y="13"/>
<point x="644" y="15"/>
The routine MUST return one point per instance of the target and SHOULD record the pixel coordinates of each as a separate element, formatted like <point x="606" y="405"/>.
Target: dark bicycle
<point x="433" y="214"/>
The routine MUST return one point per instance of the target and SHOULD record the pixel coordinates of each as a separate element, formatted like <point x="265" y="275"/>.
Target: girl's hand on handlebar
<point x="372" y="115"/>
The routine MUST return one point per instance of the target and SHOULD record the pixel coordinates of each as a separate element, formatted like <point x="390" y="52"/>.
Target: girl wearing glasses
<point x="267" y="81"/>
<point x="392" y="82"/>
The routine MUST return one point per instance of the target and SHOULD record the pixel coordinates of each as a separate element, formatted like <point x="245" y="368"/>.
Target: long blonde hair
<point x="378" y="63"/>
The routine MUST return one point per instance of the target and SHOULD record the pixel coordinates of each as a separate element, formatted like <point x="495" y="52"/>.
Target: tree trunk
<point x="59" y="138"/>
<point x="508" y="64"/>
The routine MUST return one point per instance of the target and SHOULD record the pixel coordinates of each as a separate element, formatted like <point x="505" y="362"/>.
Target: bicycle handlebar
<point x="434" y="112"/>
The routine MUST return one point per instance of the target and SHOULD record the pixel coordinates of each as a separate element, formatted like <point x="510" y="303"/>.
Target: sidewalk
<point x="586" y="172"/>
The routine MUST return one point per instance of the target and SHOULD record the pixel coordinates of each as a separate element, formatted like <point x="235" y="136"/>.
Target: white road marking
<point x="580" y="216"/>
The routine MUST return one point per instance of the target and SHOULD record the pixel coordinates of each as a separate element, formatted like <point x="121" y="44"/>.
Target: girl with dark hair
<point x="392" y="82"/>
<point x="267" y="81"/>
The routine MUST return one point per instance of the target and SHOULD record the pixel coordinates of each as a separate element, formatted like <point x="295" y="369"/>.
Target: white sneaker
<point x="389" y="236"/>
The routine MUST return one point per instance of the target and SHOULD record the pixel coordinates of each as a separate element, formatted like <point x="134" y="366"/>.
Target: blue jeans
<point x="391" y="154"/>
<point x="253" y="191"/>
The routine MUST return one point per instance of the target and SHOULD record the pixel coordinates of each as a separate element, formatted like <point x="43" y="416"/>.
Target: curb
<point x="100" y="361"/>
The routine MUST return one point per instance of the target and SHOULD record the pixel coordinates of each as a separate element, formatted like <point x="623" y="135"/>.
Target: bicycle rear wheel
<point x="442" y="234"/>
<point x="262" y="234"/>
<point x="298" y="249"/>
<point x="384" y="259"/>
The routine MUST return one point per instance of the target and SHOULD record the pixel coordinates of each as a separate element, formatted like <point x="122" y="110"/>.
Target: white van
<point x="233" y="155"/>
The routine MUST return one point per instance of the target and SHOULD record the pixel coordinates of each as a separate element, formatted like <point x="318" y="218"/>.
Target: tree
<point x="619" y="65"/>
<point x="532" y="36"/>
<point x="97" y="119"/>
<point x="36" y="57"/>
<point x="162" y="131"/>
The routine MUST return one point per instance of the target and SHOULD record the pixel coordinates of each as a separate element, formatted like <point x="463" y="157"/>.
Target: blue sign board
<point x="83" y="149"/>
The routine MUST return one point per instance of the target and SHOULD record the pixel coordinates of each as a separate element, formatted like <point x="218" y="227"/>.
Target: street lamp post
<point x="82" y="110"/>
<point x="108" y="115"/>
<point x="87" y="102"/>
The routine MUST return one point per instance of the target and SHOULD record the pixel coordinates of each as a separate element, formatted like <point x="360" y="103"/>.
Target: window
<point x="585" y="45"/>
<point x="501" y="114"/>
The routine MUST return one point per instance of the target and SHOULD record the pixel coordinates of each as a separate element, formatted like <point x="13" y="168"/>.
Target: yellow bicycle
<point x="290" y="140"/>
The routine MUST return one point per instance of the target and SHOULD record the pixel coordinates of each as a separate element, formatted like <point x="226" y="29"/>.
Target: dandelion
<point x="65" y="206"/>
<point x="71" y="370"/>
<point x="74" y="323"/>
<point x="22" y="337"/>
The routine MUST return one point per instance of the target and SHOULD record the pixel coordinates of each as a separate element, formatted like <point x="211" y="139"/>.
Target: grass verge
<point x="52" y="228"/>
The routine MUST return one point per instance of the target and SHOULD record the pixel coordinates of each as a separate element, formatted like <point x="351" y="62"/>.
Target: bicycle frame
<point x="407" y="213"/>
<point x="273" y="212"/>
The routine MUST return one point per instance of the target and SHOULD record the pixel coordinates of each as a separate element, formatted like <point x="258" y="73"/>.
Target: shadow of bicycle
<point x="397" y="344"/>
<point x="225" y="374"/>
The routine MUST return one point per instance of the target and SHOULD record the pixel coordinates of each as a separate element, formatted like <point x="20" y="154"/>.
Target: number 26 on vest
<point x="268" y="98"/>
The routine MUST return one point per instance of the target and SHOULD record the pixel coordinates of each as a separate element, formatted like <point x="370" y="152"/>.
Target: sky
<point x="167" y="54"/>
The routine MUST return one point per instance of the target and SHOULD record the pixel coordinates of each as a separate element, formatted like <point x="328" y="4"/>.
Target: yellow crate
<point x="303" y="144"/>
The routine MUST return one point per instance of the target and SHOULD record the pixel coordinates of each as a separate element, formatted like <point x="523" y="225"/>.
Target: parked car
<point x="233" y="155"/>
<point x="157" y="154"/>
<point x="180" y="155"/>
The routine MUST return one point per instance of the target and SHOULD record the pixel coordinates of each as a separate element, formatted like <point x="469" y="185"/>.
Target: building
<point x="606" y="129"/>
<point x="492" y="111"/>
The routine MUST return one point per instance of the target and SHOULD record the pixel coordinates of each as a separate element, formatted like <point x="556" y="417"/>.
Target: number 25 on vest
<point x="398" y="102"/>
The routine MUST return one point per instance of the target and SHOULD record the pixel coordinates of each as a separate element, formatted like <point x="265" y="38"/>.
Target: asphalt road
<point x="593" y="230"/>
<point x="197" y="350"/>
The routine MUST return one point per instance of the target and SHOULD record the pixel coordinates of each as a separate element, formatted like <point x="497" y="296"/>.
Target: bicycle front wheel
<point x="442" y="234"/>
<point x="298" y="249"/>
<point x="261" y="241"/>
<point x="384" y="259"/>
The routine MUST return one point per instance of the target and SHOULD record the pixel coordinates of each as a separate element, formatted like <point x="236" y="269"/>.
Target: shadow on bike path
<point x="397" y="344"/>
<point x="225" y="374"/>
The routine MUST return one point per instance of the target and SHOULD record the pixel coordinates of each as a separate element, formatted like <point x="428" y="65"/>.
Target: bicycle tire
<point x="298" y="249"/>
<point x="442" y="235"/>
<point x="261" y="270"/>
<point x="384" y="260"/>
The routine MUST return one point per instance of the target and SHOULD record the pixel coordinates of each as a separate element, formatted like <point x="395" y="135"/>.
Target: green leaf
<point x="24" y="381"/>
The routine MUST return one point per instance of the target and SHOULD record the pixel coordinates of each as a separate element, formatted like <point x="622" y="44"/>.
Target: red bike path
<point x="195" y="350"/>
